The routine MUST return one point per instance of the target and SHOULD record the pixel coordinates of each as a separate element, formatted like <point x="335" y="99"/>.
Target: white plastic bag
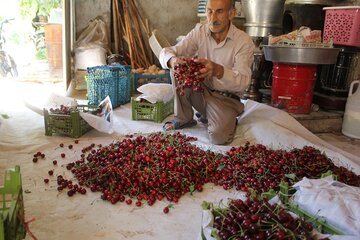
<point x="89" y="57"/>
<point x="154" y="92"/>
<point x="103" y="121"/>
<point x="94" y="34"/>
<point x="337" y="202"/>
<point x="91" y="46"/>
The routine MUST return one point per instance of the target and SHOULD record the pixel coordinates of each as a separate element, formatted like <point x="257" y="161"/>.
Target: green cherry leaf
<point x="220" y="167"/>
<point x="291" y="176"/>
<point x="192" y="189"/>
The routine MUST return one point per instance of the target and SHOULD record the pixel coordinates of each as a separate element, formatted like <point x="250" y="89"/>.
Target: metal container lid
<point x="341" y="7"/>
<point x="320" y="2"/>
<point x="301" y="55"/>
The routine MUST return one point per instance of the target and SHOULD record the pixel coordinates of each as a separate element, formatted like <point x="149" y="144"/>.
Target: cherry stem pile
<point x="186" y="75"/>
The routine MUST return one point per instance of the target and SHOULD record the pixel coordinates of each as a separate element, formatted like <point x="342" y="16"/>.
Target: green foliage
<point x="15" y="38"/>
<point x="41" y="54"/>
<point x="38" y="7"/>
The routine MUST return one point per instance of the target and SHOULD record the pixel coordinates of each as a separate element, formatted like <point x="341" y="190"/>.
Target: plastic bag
<point x="336" y="202"/>
<point x="94" y="34"/>
<point x="92" y="45"/>
<point x="154" y="92"/>
<point x="103" y="121"/>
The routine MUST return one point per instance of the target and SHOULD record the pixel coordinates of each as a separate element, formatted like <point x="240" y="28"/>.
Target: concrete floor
<point x="341" y="141"/>
<point x="328" y="125"/>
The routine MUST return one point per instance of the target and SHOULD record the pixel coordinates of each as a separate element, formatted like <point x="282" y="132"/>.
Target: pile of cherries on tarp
<point x="146" y="169"/>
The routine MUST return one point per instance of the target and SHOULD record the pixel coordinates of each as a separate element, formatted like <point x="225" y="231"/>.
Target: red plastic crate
<point x="342" y="25"/>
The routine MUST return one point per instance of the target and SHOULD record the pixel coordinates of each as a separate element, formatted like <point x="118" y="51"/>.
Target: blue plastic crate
<point x="112" y="81"/>
<point x="141" y="79"/>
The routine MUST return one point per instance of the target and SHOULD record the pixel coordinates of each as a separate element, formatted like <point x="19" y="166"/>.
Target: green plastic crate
<point x="72" y="125"/>
<point x="155" y="112"/>
<point x="12" y="206"/>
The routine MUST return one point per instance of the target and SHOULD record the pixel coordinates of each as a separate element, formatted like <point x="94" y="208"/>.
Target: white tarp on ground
<point x="88" y="217"/>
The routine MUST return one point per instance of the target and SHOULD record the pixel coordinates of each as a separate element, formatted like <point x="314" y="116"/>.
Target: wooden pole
<point x="128" y="34"/>
<point x="115" y="25"/>
<point x="135" y="32"/>
<point x="139" y="38"/>
<point x="121" y="26"/>
<point x="141" y="19"/>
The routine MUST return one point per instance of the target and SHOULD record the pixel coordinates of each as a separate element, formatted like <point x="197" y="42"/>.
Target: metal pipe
<point x="68" y="31"/>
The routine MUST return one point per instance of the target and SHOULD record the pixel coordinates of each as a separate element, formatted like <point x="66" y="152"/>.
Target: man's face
<point x="219" y="15"/>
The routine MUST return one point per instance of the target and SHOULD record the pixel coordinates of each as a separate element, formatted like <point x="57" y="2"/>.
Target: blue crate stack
<point x="109" y="80"/>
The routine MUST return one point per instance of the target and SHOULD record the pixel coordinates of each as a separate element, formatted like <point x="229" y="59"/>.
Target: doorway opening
<point x="31" y="37"/>
<point x="31" y="58"/>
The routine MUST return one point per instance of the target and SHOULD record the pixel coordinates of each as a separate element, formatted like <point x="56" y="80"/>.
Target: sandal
<point x="201" y="118"/>
<point x="175" y="125"/>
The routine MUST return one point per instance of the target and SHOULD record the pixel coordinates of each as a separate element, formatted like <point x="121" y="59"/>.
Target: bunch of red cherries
<point x="186" y="75"/>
